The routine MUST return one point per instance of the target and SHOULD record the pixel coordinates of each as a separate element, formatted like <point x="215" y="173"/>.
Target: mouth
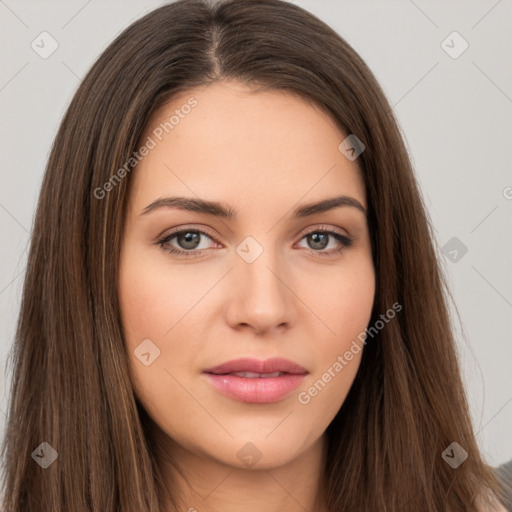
<point x="254" y="381"/>
<point x="252" y="375"/>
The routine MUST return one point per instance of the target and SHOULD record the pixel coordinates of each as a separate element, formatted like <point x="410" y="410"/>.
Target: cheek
<point x="152" y="298"/>
<point x="147" y="312"/>
<point x="344" y="303"/>
<point x="345" y="307"/>
<point x="161" y="303"/>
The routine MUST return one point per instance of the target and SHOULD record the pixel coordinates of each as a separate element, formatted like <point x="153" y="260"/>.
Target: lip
<point x="274" y="364"/>
<point x="256" y="390"/>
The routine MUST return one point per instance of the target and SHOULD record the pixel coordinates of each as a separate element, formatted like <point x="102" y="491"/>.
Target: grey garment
<point x="504" y="474"/>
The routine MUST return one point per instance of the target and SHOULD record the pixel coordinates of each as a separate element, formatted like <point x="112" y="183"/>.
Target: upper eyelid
<point x="323" y="227"/>
<point x="177" y="231"/>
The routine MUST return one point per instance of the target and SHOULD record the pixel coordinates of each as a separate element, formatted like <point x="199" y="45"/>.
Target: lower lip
<point x="258" y="390"/>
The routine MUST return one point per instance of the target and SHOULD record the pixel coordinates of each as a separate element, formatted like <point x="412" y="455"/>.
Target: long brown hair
<point x="70" y="384"/>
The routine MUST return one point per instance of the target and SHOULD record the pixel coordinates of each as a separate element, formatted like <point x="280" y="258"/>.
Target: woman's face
<point x="270" y="280"/>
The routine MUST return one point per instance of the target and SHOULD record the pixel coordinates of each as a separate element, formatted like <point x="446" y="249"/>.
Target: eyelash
<point x="345" y="241"/>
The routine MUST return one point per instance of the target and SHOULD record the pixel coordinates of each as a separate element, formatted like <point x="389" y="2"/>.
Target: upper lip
<point x="274" y="364"/>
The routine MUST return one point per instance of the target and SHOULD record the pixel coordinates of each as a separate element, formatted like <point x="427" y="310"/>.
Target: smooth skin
<point x="264" y="155"/>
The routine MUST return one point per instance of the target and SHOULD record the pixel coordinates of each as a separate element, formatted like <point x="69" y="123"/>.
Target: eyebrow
<point x="220" y="210"/>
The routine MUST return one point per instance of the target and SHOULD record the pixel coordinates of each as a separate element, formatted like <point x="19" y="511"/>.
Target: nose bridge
<point x="260" y="296"/>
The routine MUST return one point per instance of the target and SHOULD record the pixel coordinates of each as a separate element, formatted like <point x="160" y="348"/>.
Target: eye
<point x="319" y="239"/>
<point x="188" y="240"/>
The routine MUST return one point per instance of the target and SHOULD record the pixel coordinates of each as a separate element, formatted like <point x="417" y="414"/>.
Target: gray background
<point x="455" y="114"/>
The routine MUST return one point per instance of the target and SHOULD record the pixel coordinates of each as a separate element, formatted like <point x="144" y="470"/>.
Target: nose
<point x="261" y="298"/>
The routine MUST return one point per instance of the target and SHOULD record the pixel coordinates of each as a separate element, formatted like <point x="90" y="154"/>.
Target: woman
<point x="232" y="299"/>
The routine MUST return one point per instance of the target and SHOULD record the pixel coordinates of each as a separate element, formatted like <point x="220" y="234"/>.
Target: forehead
<point x="226" y="142"/>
